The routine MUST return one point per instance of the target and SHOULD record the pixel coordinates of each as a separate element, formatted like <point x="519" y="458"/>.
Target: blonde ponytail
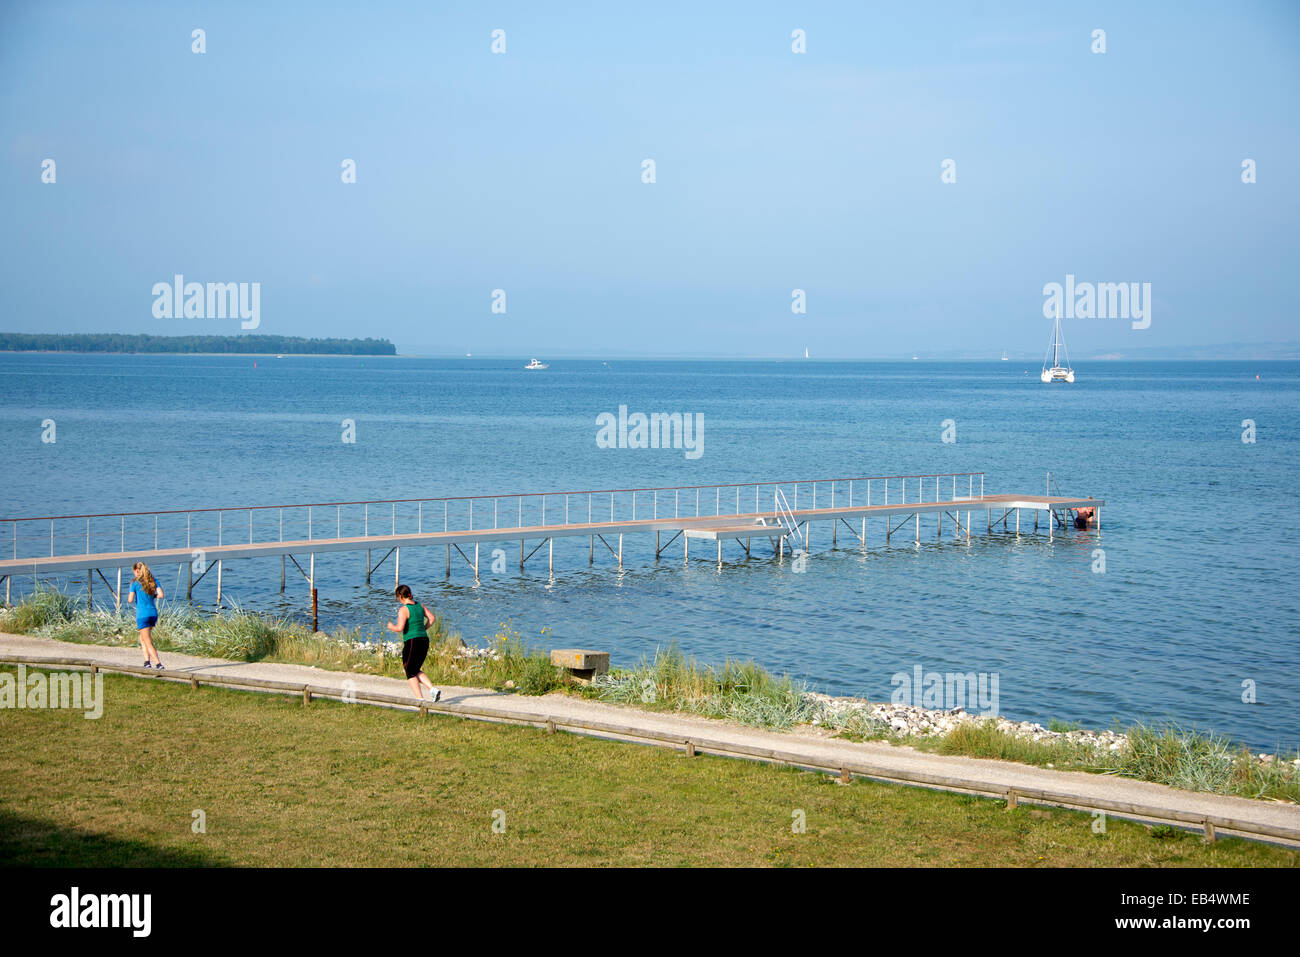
<point x="145" y="578"/>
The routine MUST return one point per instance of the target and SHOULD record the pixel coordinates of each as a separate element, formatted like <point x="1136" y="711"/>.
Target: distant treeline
<point x="260" y="345"/>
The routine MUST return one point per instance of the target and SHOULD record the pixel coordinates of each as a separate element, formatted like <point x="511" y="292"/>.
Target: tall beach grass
<point x="740" y="691"/>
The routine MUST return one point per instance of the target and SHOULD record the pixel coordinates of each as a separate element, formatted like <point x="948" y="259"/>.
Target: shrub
<point x="42" y="608"/>
<point x="538" y="676"/>
<point x="741" y="691"/>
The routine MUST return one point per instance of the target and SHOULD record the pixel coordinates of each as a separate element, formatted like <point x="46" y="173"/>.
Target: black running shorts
<point x="414" y="651"/>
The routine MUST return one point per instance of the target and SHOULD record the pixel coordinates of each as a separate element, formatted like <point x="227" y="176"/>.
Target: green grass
<point x="45" y="607"/>
<point x="1063" y="727"/>
<point x="350" y="785"/>
<point x="983" y="739"/>
<point x="1202" y="761"/>
<point x="740" y="691"/>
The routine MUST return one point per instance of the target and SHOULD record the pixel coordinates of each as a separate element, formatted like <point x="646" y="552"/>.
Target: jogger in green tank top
<point x="413" y="624"/>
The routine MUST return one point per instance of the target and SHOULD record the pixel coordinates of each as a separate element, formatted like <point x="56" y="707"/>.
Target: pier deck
<point x="784" y="527"/>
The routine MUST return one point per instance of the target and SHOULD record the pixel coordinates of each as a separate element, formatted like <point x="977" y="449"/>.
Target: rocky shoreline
<point x="911" y="721"/>
<point x="915" y="721"/>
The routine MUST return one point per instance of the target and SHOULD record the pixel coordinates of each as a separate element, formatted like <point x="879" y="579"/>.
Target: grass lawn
<point x="740" y="691"/>
<point x="337" y="784"/>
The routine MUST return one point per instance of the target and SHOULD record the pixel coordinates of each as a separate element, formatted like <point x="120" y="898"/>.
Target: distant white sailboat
<point x="805" y="352"/>
<point x="1055" y="351"/>
<point x="1004" y="355"/>
<point x="536" y="365"/>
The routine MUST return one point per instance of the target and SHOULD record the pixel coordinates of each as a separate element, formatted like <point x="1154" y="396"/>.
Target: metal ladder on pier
<point x="1062" y="519"/>
<point x="790" y="527"/>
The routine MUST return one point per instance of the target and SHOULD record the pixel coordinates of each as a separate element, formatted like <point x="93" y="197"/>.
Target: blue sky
<point x="775" y="171"/>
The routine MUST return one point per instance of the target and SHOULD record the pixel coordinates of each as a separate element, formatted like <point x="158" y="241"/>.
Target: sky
<point x="774" y="171"/>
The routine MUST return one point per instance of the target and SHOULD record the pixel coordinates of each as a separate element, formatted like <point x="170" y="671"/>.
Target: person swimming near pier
<point x="147" y="590"/>
<point x="413" y="624"/>
<point x="1083" y="516"/>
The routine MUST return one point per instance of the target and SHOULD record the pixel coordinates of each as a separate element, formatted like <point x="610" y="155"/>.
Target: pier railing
<point x="50" y="535"/>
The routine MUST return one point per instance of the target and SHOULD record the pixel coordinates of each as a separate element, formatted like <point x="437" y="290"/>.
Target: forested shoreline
<point x="243" y="345"/>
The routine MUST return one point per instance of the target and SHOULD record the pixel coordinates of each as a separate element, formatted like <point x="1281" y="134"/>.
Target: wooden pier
<point x="874" y="508"/>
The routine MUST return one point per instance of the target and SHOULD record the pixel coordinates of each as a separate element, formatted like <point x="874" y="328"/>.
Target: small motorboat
<point x="536" y="365"/>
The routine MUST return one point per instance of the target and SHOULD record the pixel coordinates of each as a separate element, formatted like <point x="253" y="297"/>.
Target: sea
<point x="1182" y="609"/>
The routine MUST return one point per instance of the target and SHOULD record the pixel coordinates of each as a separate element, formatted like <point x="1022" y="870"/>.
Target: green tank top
<point x="414" y="622"/>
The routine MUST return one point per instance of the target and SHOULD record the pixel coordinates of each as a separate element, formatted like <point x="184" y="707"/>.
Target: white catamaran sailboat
<point x="1055" y="352"/>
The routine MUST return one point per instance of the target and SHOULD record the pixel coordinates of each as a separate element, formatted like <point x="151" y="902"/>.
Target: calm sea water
<point x="1199" y="533"/>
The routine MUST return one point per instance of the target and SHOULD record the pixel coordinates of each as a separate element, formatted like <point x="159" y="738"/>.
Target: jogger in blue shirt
<point x="143" y="594"/>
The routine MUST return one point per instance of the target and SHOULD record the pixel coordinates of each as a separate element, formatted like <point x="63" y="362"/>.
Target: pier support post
<point x="968" y="526"/>
<point x="1017" y="521"/>
<point x="397" y="565"/>
<point x="447" y="573"/>
<point x="550" y="557"/>
<point x="367" y="566"/>
<point x="218" y="583"/>
<point x="939" y="537"/>
<point x="656" y="546"/>
<point x="476" y="563"/>
<point x="988" y="521"/>
<point x="521" y="553"/>
<point x="591" y="549"/>
<point x="864" y="533"/>
<point x="311" y="572"/>
<point x="90" y="588"/>
<point x="620" y="551"/>
<point x="918" y="528"/>
<point x="189" y="581"/>
<point x="686" y="547"/>
<point x="835" y="534"/>
<point x="117" y="599"/>
<point x="282" y="574"/>
<point x="719" y="554"/>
